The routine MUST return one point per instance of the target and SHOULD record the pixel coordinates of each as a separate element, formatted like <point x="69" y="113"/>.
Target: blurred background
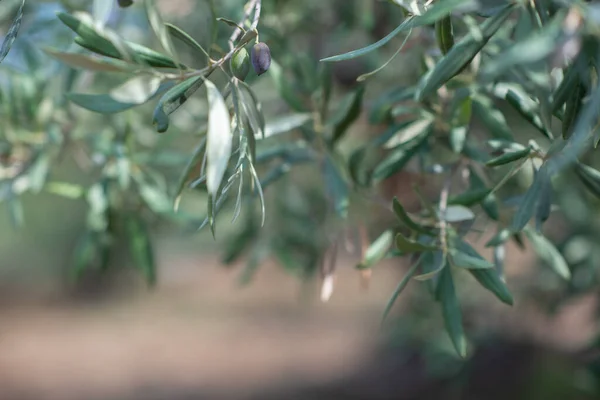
<point x="201" y="333"/>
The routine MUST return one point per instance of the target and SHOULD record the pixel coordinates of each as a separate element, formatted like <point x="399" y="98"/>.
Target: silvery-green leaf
<point x="219" y="139"/>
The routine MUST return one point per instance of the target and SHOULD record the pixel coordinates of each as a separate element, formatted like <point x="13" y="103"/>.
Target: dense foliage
<point x="479" y="62"/>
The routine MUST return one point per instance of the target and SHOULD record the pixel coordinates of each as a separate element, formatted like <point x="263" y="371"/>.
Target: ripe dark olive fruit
<point x="125" y="3"/>
<point x="261" y="58"/>
<point x="240" y="64"/>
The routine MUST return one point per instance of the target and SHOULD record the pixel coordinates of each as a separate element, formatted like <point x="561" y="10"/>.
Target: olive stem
<point x="253" y="4"/>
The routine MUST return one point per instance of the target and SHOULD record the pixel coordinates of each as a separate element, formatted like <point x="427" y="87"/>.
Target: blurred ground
<point x="198" y="332"/>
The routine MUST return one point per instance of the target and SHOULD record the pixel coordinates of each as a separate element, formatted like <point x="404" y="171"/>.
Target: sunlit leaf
<point x="219" y="139"/>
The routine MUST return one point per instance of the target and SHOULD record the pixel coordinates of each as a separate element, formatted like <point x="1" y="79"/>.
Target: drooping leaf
<point x="491" y="280"/>
<point x="348" y="112"/>
<point x="12" y="33"/>
<point x="492" y="118"/>
<point x="526" y="108"/>
<point x="461" y="118"/>
<point x="219" y="139"/>
<point x="465" y="256"/>
<point x="401" y="285"/>
<point x="185" y="38"/>
<point x="451" y="311"/>
<point x="406" y="219"/>
<point x="527" y="206"/>
<point x="542" y="211"/>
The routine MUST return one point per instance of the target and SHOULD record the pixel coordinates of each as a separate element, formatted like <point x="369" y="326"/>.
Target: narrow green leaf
<point x="470" y="197"/>
<point x="444" y="34"/>
<point x="401" y="285"/>
<point x="492" y="118"/>
<point x="337" y="188"/>
<point x="409" y="246"/>
<point x="491" y="280"/>
<point x="90" y="38"/>
<point x="284" y="88"/>
<point x="185" y="38"/>
<point x="525" y="107"/>
<point x="252" y="108"/>
<point x="158" y="26"/>
<point x="12" y="33"/>
<point x="465" y="256"/>
<point x="460" y="55"/>
<point x="451" y="311"/>
<point x="508" y="157"/>
<point x="348" y="112"/>
<point x="366" y="76"/>
<point x="406" y="219"/>
<point x="499" y="238"/>
<point x="436" y="12"/>
<point x="286" y="123"/>
<point x="401" y="155"/>
<point x="173" y="99"/>
<point x="590" y="178"/>
<point x="461" y="119"/>
<point x="548" y="253"/>
<point x="542" y="211"/>
<point x="528" y="203"/>
<point x="536" y="47"/>
<point x="573" y="107"/>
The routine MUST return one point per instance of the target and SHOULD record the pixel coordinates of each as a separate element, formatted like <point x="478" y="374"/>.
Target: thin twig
<point x="255" y="5"/>
<point x="252" y="5"/>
